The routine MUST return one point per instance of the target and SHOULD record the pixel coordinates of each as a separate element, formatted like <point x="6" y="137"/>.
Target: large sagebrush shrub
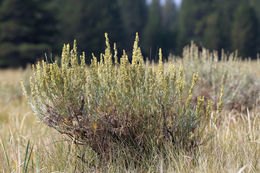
<point x="129" y="107"/>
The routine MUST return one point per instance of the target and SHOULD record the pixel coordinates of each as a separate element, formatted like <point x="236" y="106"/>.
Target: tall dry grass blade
<point x="28" y="154"/>
<point x="5" y="153"/>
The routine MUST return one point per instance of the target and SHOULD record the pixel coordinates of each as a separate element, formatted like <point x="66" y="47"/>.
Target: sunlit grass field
<point x="27" y="145"/>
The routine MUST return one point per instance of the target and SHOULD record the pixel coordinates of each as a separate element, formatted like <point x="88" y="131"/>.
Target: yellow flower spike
<point x="173" y="72"/>
<point x="135" y="51"/>
<point x="94" y="61"/>
<point x="38" y="70"/>
<point x="209" y="109"/>
<point x="64" y="48"/>
<point x="56" y="68"/>
<point x="74" y="62"/>
<point x="63" y="54"/>
<point x="219" y="104"/>
<point x="179" y="85"/>
<point x="194" y="80"/>
<point x="124" y="71"/>
<point x="75" y="46"/>
<point x="45" y="71"/>
<point x="135" y="47"/>
<point x="115" y="54"/>
<point x="180" y="80"/>
<point x="141" y="65"/>
<point x="140" y="56"/>
<point x="136" y="41"/>
<point x="160" y="66"/>
<point x="108" y="54"/>
<point x="181" y="71"/>
<point x="107" y="51"/>
<point x="82" y="60"/>
<point x="170" y="68"/>
<point x="101" y="59"/>
<point x="123" y="60"/>
<point x="65" y="58"/>
<point x="200" y="102"/>
<point x="53" y="75"/>
<point x="68" y="50"/>
<point x="66" y="88"/>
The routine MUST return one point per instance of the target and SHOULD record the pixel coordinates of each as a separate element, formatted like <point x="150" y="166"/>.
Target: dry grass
<point x="235" y="146"/>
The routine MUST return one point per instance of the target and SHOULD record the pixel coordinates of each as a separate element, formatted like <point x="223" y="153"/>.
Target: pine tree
<point x="213" y="34"/>
<point x="245" y="30"/>
<point x="134" y="14"/>
<point x="169" y="15"/>
<point x="256" y="6"/>
<point x="26" y="31"/>
<point x="88" y="20"/>
<point x="193" y="17"/>
<point x="152" y="35"/>
<point x="225" y="13"/>
<point x="169" y="26"/>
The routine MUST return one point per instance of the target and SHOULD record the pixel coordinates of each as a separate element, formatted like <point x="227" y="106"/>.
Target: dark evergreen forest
<point x="34" y="29"/>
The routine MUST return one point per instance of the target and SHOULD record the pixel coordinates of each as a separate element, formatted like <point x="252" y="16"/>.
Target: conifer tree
<point x="134" y="14"/>
<point x="88" y="20"/>
<point x="169" y="15"/>
<point x="245" y="30"/>
<point x="26" y="31"/>
<point x="169" y="26"/>
<point x="225" y="13"/>
<point x="213" y="35"/>
<point x="193" y="17"/>
<point x="152" y="35"/>
<point x="256" y="6"/>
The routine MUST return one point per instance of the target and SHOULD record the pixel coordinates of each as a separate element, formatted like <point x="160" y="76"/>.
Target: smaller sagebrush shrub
<point x="241" y="90"/>
<point x="129" y="107"/>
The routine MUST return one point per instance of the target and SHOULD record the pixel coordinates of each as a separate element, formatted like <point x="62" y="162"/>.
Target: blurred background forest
<point x="33" y="29"/>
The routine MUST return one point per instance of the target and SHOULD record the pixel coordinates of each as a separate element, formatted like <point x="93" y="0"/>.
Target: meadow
<point x="27" y="145"/>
